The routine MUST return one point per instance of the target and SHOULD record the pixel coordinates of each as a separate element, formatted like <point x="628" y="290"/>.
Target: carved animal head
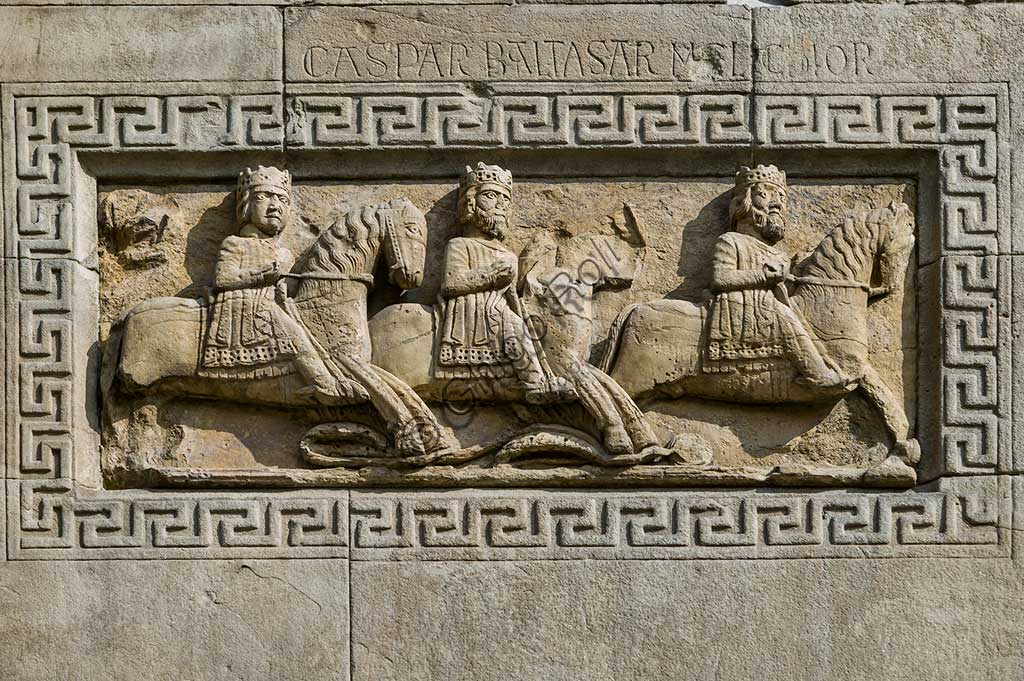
<point x="897" y="244"/>
<point x="405" y="242"/>
<point x="874" y="242"/>
<point x="353" y="242"/>
<point x="134" y="222"/>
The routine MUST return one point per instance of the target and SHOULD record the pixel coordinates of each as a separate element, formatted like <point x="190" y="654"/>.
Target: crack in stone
<point x="244" y="567"/>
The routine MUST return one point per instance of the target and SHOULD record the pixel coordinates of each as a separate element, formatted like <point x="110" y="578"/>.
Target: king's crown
<point x="263" y="176"/>
<point x="485" y="174"/>
<point x="761" y="173"/>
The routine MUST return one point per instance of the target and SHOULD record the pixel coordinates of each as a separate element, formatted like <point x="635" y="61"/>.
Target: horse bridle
<point x="387" y="220"/>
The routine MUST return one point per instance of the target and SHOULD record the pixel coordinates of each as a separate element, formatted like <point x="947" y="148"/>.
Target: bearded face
<point x="488" y="212"/>
<point x="768" y="203"/>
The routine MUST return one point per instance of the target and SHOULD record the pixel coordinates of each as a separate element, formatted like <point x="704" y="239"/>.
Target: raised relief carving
<point x="133" y="223"/>
<point x="501" y="373"/>
<point x="484" y="332"/>
<point x="775" y="333"/>
<point x="966" y="365"/>
<point x="281" y="333"/>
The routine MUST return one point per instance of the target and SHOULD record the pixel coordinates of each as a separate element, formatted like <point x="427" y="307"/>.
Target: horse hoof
<point x="617" y="441"/>
<point x="908" y="450"/>
<point x="892" y="471"/>
<point x="690" y="449"/>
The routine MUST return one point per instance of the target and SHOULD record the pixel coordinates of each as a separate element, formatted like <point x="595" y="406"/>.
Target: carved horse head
<point x="865" y="244"/>
<point x="405" y="242"/>
<point x="351" y="246"/>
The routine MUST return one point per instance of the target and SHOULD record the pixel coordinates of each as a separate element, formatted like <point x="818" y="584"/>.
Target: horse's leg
<point x="598" y="402"/>
<point x="893" y="415"/>
<point x="391" y="408"/>
<point x="627" y="411"/>
<point x="418" y="409"/>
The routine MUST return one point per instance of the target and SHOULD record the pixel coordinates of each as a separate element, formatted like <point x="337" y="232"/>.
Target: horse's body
<point x="560" y="307"/>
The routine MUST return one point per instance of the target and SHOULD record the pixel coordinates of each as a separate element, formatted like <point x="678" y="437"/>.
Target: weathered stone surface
<point x="582" y="43"/>
<point x="669" y="620"/>
<point x="658" y="237"/>
<point x="171" y="620"/>
<point x="153" y="532"/>
<point x="854" y="43"/>
<point x="140" y="44"/>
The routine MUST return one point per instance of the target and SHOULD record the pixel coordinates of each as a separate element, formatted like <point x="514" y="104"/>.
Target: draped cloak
<point x="249" y="335"/>
<point x="479" y="332"/>
<point x="750" y="323"/>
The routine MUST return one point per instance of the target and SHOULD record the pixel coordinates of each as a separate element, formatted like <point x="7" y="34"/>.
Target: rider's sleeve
<point x="459" y="279"/>
<point x="231" y="272"/>
<point x="726" y="275"/>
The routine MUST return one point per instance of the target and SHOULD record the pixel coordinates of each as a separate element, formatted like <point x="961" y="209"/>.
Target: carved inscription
<point x="511" y="60"/>
<point x="818" y="61"/>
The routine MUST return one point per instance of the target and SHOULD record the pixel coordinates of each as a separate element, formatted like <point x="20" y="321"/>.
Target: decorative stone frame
<point x="58" y="139"/>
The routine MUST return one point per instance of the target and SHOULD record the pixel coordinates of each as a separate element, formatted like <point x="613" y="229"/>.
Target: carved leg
<point x="423" y="422"/>
<point x="384" y="399"/>
<point x="531" y="366"/>
<point x="598" y="402"/>
<point x="629" y="414"/>
<point x="893" y="415"/>
<point x="814" y="370"/>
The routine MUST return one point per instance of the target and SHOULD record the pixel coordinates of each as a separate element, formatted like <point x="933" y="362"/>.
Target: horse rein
<point x="386" y="216"/>
<point x="360" y="277"/>
<point x="835" y="283"/>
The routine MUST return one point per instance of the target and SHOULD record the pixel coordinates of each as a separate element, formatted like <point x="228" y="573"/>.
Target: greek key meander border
<point x="51" y="516"/>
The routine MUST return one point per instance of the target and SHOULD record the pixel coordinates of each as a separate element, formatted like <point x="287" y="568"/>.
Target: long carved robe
<point x="747" y="320"/>
<point x="480" y="333"/>
<point x="250" y="335"/>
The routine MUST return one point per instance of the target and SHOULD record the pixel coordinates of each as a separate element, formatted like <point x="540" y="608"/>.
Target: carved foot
<point x="421" y="441"/>
<point x="892" y="471"/>
<point x="317" y="394"/>
<point x="908" y="451"/>
<point x="336" y="393"/>
<point x="617" y="442"/>
<point x="826" y="381"/>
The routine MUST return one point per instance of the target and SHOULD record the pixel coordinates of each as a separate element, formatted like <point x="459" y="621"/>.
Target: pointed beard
<point x="771" y="226"/>
<point x="492" y="224"/>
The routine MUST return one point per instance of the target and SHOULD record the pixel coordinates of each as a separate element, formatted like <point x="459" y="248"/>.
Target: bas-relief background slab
<point x="678" y="219"/>
<point x="960" y="127"/>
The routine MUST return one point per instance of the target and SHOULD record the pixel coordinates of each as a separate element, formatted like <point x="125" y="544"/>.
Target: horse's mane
<point x="348" y="246"/>
<point x="848" y="250"/>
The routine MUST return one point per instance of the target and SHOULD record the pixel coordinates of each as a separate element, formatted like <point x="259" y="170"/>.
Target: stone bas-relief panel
<point x="635" y="331"/>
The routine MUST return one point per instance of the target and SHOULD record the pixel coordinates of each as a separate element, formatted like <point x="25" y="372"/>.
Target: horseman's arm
<point x="461" y="280"/>
<point x="230" y="273"/>
<point x="726" y="275"/>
